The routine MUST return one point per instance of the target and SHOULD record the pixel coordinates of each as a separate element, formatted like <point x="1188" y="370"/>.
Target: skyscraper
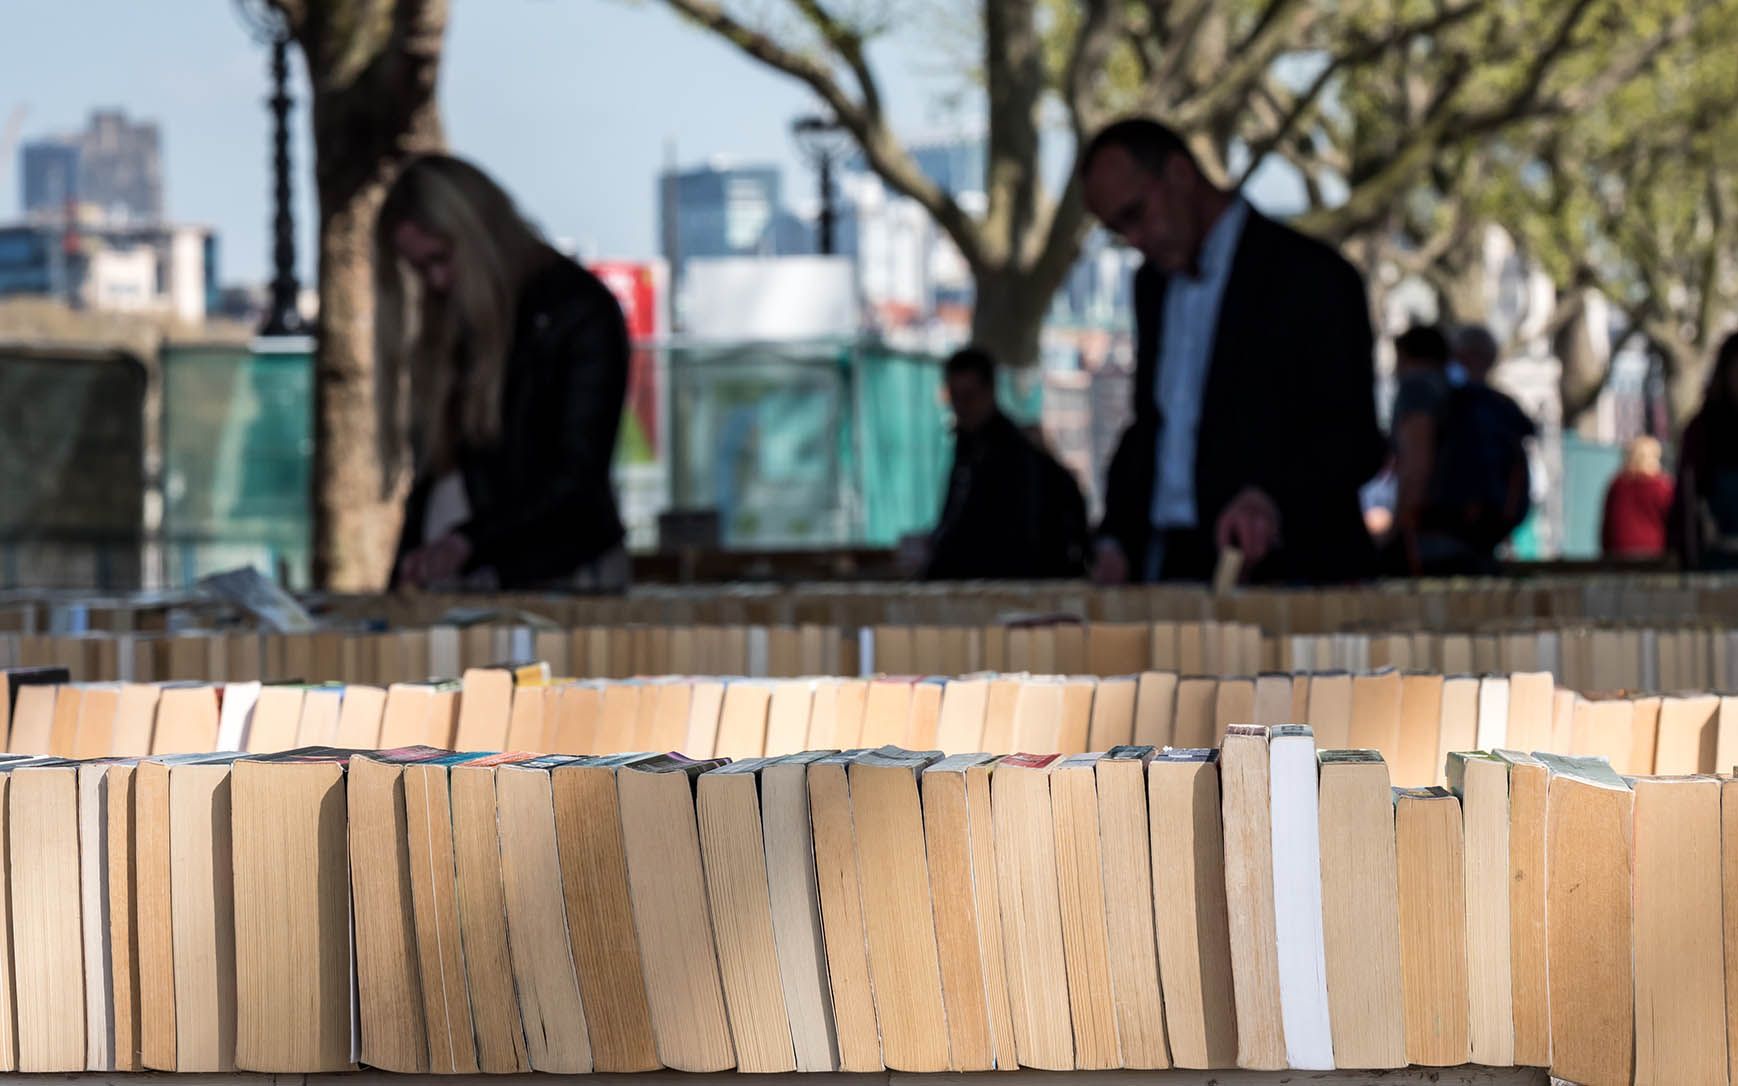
<point x="48" y="170"/>
<point x="113" y="169"/>
<point x="121" y="167"/>
<point x="725" y="210"/>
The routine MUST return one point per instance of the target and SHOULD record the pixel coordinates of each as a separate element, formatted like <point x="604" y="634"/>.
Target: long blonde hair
<point x="430" y="342"/>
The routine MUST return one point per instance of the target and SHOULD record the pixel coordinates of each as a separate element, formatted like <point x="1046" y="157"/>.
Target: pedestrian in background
<point x="1638" y="505"/>
<point x="1254" y="414"/>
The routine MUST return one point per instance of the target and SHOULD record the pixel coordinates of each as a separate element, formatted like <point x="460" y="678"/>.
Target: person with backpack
<point x="1460" y="457"/>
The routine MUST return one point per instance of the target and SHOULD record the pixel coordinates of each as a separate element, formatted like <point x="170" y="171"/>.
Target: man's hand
<point x="436" y="563"/>
<point x="1109" y="564"/>
<point x="1251" y="524"/>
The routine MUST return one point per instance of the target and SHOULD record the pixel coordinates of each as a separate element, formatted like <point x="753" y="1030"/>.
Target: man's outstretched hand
<point x="1251" y="524"/>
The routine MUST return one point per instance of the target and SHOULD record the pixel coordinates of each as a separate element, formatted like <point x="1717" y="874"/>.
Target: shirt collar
<point x="1220" y="243"/>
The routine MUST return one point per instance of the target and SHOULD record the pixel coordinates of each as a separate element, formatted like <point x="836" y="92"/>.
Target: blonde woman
<point x="507" y="365"/>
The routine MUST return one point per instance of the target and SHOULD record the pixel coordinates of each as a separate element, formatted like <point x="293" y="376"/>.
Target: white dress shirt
<point x="1184" y="354"/>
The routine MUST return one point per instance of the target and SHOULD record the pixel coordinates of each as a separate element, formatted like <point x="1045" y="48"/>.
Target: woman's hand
<point x="436" y="563"/>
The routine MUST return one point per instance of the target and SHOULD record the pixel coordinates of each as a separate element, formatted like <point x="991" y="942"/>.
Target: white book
<point x="757" y="652"/>
<point x="236" y="716"/>
<point x="1650" y="659"/>
<point x="1551" y="654"/>
<point x="1358" y="652"/>
<point x="519" y="644"/>
<point x="93" y="864"/>
<point x="443" y="652"/>
<point x="1493" y="730"/>
<point x="866" y="650"/>
<point x="124" y="653"/>
<point x="1297" y="899"/>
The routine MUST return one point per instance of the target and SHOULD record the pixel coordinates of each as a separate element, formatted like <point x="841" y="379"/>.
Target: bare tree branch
<point x="1098" y="27"/>
<point x="1355" y="56"/>
<point x="1014" y="82"/>
<point x="1263" y="24"/>
<point x="1068" y="227"/>
<point x="1558" y="43"/>
<point x="1629" y="64"/>
<point x="1401" y="166"/>
<point x="848" y="43"/>
<point x="879" y="145"/>
<point x="407" y="68"/>
<point x="1177" y="40"/>
<point x="1231" y="86"/>
<point x="295" y="14"/>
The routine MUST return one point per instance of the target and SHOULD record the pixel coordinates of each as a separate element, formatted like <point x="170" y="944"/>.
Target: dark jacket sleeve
<point x="1335" y="404"/>
<point x="1326" y="443"/>
<point x="583" y="364"/>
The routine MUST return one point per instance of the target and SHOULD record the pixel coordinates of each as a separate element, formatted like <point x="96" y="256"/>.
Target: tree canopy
<point x="1410" y="125"/>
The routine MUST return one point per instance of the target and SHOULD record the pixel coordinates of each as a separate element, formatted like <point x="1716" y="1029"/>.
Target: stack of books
<point x="1257" y="904"/>
<point x="1413" y="719"/>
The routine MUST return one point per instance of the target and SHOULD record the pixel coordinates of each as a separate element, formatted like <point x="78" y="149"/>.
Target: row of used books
<point x="844" y="605"/>
<point x="1589" y="659"/>
<point x="1414" y="719"/>
<point x="1261" y="905"/>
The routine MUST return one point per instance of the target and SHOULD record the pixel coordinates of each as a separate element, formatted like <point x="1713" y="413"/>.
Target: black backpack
<point x="1062" y="533"/>
<point x="1480" y="443"/>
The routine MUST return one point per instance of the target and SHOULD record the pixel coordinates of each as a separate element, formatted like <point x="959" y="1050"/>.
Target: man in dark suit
<point x="1255" y="415"/>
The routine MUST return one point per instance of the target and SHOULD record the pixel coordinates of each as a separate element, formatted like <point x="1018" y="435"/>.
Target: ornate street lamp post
<point x="267" y="23"/>
<point x="823" y="141"/>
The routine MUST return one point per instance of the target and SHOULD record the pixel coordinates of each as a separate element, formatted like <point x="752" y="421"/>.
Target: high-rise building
<point x="48" y="175"/>
<point x="723" y="209"/>
<point x="121" y="167"/>
<point x="112" y="171"/>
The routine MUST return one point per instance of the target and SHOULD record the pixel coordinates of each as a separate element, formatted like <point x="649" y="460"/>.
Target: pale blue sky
<point x="572" y="103"/>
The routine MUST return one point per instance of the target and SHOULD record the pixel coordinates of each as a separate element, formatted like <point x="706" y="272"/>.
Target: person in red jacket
<point x="1638" y="505"/>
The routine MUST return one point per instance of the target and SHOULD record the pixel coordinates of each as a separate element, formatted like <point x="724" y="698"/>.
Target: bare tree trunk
<point x="1460" y="282"/>
<point x="1585" y="367"/>
<point x="368" y="116"/>
<point x="355" y="523"/>
<point x="1008" y="317"/>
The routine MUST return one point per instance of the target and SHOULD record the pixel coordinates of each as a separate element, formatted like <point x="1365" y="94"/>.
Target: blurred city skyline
<point x="579" y="133"/>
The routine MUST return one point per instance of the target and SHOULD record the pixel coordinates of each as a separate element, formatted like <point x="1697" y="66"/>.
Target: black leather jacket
<point x="541" y="499"/>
